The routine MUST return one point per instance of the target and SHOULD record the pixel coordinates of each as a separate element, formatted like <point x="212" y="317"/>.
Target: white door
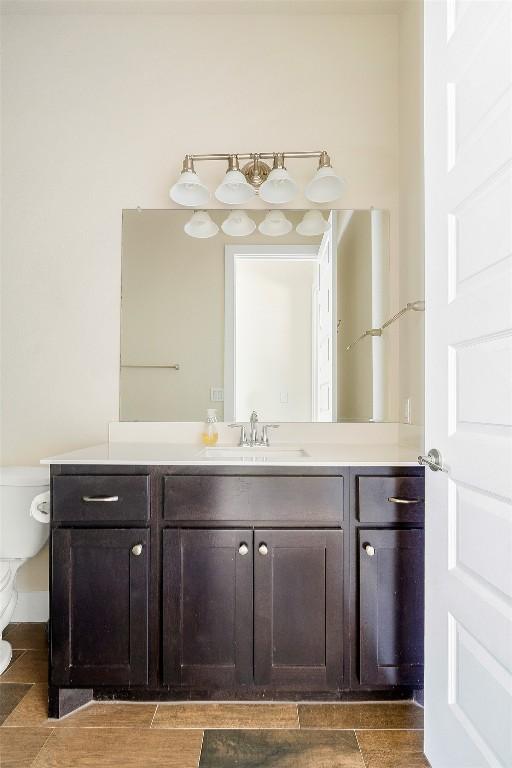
<point x="325" y="390"/>
<point x="468" y="176"/>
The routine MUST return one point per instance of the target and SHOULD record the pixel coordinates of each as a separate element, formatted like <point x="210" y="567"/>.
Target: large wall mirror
<point x="270" y="321"/>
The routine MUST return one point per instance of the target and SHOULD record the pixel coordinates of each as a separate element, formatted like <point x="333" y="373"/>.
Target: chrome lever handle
<point x="89" y="499"/>
<point x="433" y="460"/>
<point x="398" y="500"/>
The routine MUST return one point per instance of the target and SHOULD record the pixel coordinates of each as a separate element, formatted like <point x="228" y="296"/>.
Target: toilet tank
<point x="20" y="535"/>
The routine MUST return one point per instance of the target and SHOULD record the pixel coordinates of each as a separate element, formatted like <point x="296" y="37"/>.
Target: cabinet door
<point x="298" y="599"/>
<point x="391" y="604"/>
<point x="99" y="607"/>
<point x="207" y="608"/>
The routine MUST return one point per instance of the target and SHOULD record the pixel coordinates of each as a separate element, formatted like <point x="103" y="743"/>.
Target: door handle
<point x="398" y="500"/>
<point x="433" y="460"/>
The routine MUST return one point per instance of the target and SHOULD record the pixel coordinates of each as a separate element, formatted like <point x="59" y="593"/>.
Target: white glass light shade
<point x="313" y="223"/>
<point x="238" y="224"/>
<point x="279" y="187"/>
<point x="324" y="187"/>
<point x="189" y="190"/>
<point x="201" y="225"/>
<point x="234" y="189"/>
<point x="275" y="224"/>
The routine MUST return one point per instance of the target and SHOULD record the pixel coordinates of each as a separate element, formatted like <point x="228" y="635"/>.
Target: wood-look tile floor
<point x="212" y="735"/>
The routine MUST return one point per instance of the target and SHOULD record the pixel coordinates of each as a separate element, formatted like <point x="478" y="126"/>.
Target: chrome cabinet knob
<point x="243" y="548"/>
<point x="137" y="550"/>
<point x="370" y="551"/>
<point x="263" y="549"/>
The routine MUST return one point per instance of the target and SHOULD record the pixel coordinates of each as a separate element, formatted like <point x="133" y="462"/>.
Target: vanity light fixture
<point x="279" y="188"/>
<point x="189" y="189"/>
<point x="239" y="185"/>
<point x="201" y="225"/>
<point x="325" y="185"/>
<point x="275" y="224"/>
<point x="313" y="223"/>
<point x="238" y="224"/>
<point x="234" y="188"/>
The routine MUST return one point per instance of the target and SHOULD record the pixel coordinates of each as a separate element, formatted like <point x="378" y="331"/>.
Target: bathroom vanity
<point x="235" y="582"/>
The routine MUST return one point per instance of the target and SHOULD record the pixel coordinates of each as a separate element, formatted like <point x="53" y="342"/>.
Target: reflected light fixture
<point x="325" y="186"/>
<point x="313" y="223"/>
<point x="234" y="187"/>
<point x="275" y="224"/>
<point x="239" y="185"/>
<point x="238" y="224"/>
<point x="189" y="189"/>
<point x="279" y="188"/>
<point x="201" y="225"/>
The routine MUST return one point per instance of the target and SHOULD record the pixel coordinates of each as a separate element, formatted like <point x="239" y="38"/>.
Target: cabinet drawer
<point x="283" y="501"/>
<point x="100" y="498"/>
<point x="398" y="499"/>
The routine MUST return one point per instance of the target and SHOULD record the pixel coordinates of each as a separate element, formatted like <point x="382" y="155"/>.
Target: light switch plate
<point x="407" y="410"/>
<point x="216" y="394"/>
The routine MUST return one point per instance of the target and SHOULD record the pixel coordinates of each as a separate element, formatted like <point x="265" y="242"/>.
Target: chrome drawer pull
<point x="99" y="498"/>
<point x="398" y="500"/>
<point x="370" y="551"/>
<point x="137" y="550"/>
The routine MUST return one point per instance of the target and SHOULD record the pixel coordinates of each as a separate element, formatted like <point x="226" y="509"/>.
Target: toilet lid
<point x="30" y="476"/>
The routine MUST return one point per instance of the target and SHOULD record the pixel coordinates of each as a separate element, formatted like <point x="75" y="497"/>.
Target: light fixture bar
<point x="264" y="155"/>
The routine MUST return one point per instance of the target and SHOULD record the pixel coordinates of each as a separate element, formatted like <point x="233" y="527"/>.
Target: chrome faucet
<point x="253" y="439"/>
<point x="253" y="429"/>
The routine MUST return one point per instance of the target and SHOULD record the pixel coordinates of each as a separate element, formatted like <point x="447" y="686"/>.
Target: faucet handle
<point x="264" y="433"/>
<point x="243" y="433"/>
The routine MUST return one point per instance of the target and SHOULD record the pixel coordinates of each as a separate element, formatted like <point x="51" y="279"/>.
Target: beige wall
<point x="97" y="113"/>
<point x="355" y="387"/>
<point x="411" y="328"/>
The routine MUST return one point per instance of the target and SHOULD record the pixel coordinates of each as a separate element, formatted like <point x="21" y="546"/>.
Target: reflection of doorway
<point x="268" y="331"/>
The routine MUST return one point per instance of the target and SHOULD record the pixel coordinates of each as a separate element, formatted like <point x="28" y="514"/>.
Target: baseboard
<point x="31" y="606"/>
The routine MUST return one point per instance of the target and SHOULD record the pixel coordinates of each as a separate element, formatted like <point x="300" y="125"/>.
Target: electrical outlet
<point x="216" y="394"/>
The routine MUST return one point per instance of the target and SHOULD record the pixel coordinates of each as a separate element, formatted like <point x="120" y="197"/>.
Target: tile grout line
<point x="360" y="750"/>
<point x="154" y="715"/>
<point x="200" y="751"/>
<point x="43" y="745"/>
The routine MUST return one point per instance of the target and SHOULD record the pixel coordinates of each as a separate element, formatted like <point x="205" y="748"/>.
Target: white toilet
<point x="21" y="534"/>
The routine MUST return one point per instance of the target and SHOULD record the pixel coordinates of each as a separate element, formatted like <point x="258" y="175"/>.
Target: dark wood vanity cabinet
<point x="229" y="582"/>
<point x="207" y="608"/>
<point x="391" y="605"/>
<point x="388" y="567"/>
<point x="99" y="612"/>
<point x="244" y="608"/>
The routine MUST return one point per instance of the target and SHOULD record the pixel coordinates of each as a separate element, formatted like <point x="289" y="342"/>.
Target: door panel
<point x="207" y="608"/>
<point x="391" y="605"/>
<point x="468" y="197"/>
<point x="298" y="589"/>
<point x="99" y="607"/>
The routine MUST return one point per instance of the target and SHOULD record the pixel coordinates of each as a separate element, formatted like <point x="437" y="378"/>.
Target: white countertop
<point x="318" y="455"/>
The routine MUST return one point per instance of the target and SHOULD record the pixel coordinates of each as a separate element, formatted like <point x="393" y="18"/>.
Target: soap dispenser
<point x="210" y="434"/>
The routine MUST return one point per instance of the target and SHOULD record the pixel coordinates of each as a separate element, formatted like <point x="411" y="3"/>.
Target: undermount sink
<point x="258" y="453"/>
